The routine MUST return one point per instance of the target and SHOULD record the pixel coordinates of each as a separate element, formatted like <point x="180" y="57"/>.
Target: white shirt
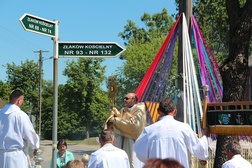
<point x="237" y="161"/>
<point x="109" y="156"/>
<point x="16" y="131"/>
<point x="169" y="138"/>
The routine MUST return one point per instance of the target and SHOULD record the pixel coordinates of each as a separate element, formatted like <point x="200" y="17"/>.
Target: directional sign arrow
<point x="89" y="49"/>
<point x="38" y="25"/>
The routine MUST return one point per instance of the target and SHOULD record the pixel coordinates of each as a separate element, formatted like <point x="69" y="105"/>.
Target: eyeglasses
<point x="127" y="98"/>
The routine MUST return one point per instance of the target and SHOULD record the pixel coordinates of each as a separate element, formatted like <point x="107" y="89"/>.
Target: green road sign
<point x="89" y="49"/>
<point x="38" y="25"/>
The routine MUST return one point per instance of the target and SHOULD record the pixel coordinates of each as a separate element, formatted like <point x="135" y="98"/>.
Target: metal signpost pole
<point x="55" y="95"/>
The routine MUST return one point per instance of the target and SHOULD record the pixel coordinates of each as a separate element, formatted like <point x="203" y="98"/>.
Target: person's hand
<point x="111" y="119"/>
<point x="205" y="131"/>
<point x="116" y="112"/>
<point x="111" y="113"/>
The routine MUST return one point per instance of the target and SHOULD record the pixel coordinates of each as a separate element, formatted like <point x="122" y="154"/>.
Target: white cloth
<point x="109" y="156"/>
<point x="169" y="138"/>
<point x="127" y="144"/>
<point x="237" y="161"/>
<point x="16" y="131"/>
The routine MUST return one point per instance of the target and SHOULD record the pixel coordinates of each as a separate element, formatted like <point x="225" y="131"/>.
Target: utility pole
<point x="40" y="89"/>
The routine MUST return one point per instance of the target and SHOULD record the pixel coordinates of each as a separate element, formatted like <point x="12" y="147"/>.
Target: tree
<point x="25" y="78"/>
<point x="234" y="70"/>
<point x="84" y="104"/>
<point x="142" y="45"/>
<point x="47" y="110"/>
<point x="4" y="91"/>
<point x="212" y="19"/>
<point x="156" y="25"/>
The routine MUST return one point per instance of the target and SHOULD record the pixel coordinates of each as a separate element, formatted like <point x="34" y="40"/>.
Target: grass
<point x="89" y="141"/>
<point x="74" y="142"/>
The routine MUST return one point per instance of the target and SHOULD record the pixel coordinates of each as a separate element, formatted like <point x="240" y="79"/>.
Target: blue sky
<point x="80" y="21"/>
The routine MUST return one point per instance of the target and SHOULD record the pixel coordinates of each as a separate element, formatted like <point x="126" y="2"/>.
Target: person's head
<point x="62" y="146"/>
<point x="130" y="100"/>
<point x="85" y="158"/>
<point x="75" y="164"/>
<point x="233" y="148"/>
<point x="162" y="163"/>
<point x="167" y="107"/>
<point x="106" y="136"/>
<point x="16" y="97"/>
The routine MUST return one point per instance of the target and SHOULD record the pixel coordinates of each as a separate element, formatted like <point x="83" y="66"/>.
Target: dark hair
<point x="61" y="142"/>
<point x="162" y="163"/>
<point x="15" y="94"/>
<point x="234" y="147"/>
<point x="167" y="105"/>
<point x="107" y="135"/>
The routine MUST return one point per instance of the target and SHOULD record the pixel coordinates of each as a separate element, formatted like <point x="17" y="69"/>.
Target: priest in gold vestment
<point x="128" y="124"/>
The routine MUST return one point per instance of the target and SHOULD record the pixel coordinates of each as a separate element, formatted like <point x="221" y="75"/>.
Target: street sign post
<point x="38" y="25"/>
<point x="49" y="28"/>
<point x="89" y="49"/>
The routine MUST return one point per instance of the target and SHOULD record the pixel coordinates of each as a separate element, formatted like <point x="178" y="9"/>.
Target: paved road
<point x="77" y="150"/>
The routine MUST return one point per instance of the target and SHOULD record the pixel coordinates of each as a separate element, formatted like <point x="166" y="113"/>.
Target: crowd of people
<point x="125" y="141"/>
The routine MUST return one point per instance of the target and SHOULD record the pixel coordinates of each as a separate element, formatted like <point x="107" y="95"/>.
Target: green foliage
<point x="47" y="110"/>
<point x="213" y="22"/>
<point x="142" y="46"/>
<point x="84" y="105"/>
<point x="25" y="78"/>
<point x="4" y="91"/>
<point x="156" y="26"/>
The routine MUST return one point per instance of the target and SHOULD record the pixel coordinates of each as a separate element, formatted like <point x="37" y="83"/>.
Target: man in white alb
<point x="16" y="132"/>
<point x="169" y="138"/>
